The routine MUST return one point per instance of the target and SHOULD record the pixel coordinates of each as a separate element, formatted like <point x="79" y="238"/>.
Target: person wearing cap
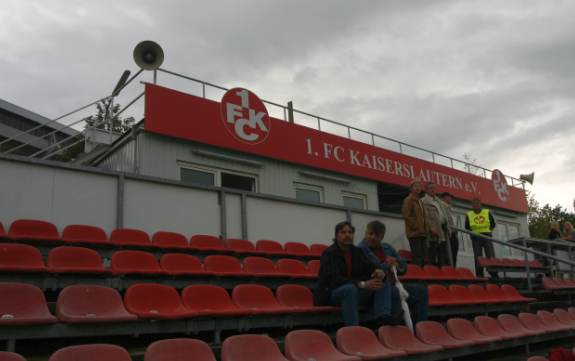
<point x="416" y="228"/>
<point x="447" y="200"/>
<point x="479" y="220"/>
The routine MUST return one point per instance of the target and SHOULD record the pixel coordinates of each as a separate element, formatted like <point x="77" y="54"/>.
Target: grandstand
<point x="193" y="237"/>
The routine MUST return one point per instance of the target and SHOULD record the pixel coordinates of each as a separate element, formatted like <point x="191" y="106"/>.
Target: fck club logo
<point x="245" y="116"/>
<point x="500" y="185"/>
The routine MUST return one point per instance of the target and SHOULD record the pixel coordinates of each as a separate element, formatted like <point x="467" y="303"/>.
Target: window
<point x="197" y="177"/>
<point x="236" y="181"/>
<point x="308" y="192"/>
<point x="354" y="200"/>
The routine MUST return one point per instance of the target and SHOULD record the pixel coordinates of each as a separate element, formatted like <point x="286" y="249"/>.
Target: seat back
<point x="128" y="261"/>
<point x="33" y="229"/>
<point x="564" y="315"/>
<point x="537" y="358"/>
<point x="462" y="328"/>
<point x="254" y="296"/>
<point x="10" y="356"/>
<point x="433" y="272"/>
<point x="414" y="272"/>
<point x="317" y="249"/>
<point x="206" y="297"/>
<point x="251" y="348"/>
<point x="165" y="239"/>
<point x="84" y="233"/>
<point x="439" y="295"/>
<point x="95" y="352"/>
<point x="494" y="291"/>
<point x="405" y="254"/>
<point x="397" y="337"/>
<point x="259" y="265"/>
<point x="532" y="322"/>
<point x="488" y="326"/>
<point x="296" y="248"/>
<point x="269" y="246"/>
<point x="432" y="332"/>
<point x="313" y="266"/>
<point x="20" y="257"/>
<point x="129" y="236"/>
<point x="291" y="266"/>
<point x="465" y="273"/>
<point x="22" y="303"/>
<point x="240" y="245"/>
<point x="90" y="302"/>
<point x="461" y="294"/>
<point x="206" y="242"/>
<point x="511" y="323"/>
<point x="511" y="292"/>
<point x="151" y="299"/>
<point x="478" y="293"/>
<point x="359" y="340"/>
<point x="548" y="318"/>
<point x="450" y="273"/>
<point x="74" y="257"/>
<point x="294" y="296"/>
<point x="180" y="263"/>
<point x="179" y="349"/>
<point x="223" y="264"/>
<point x="312" y="344"/>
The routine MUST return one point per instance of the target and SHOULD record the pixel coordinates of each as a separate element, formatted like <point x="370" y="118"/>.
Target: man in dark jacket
<point x="348" y="279"/>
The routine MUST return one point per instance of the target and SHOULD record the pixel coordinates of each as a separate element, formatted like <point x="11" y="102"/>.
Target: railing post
<point x="223" y="215"/>
<point x="121" y="182"/>
<point x="527" y="268"/>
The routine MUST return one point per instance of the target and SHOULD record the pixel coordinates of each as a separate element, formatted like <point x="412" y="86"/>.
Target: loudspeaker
<point x="527" y="177"/>
<point x="148" y="55"/>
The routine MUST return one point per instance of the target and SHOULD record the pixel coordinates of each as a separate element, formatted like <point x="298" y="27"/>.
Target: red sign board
<point x="241" y="123"/>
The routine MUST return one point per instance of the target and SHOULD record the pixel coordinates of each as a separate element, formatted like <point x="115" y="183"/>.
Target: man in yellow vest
<point x="479" y="220"/>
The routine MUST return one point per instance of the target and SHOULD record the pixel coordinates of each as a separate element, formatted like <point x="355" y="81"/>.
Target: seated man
<point x="385" y="256"/>
<point x="347" y="278"/>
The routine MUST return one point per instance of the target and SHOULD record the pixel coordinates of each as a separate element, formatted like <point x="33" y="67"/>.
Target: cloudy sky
<point x="492" y="79"/>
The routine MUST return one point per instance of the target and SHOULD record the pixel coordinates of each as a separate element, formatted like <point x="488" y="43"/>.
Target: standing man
<point x="347" y="278"/>
<point x="385" y="256"/>
<point x="416" y="229"/>
<point x="435" y="217"/>
<point x="480" y="220"/>
<point x="447" y="199"/>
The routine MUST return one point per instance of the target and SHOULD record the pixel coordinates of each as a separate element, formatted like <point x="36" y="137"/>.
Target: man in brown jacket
<point x="416" y="229"/>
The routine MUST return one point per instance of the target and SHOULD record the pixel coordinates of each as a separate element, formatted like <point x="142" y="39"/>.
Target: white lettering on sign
<point x="245" y="116"/>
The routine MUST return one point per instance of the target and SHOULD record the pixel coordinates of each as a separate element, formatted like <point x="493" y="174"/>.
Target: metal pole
<point x="244" y="216"/>
<point x="223" y="215"/>
<point x="155" y="76"/>
<point x="529" y="283"/>
<point x="290" y="112"/>
<point x="120" y="201"/>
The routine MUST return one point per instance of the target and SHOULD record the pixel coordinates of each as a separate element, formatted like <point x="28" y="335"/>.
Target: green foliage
<point x="107" y="118"/>
<point x="541" y="217"/>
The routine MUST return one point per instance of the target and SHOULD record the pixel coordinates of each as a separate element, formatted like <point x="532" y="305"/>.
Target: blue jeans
<point x="418" y="301"/>
<point x="350" y="297"/>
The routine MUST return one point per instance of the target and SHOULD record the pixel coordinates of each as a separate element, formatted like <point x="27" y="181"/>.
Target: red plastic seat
<point x="154" y="301"/>
<point x="484" y="261"/>
<point x="293" y="267"/>
<point x="489" y="326"/>
<point x="401" y="338"/>
<point x="260" y="266"/>
<point x="68" y="259"/>
<point x="180" y="264"/>
<point x="299" y="297"/>
<point x="209" y="300"/>
<point x="480" y="294"/>
<point x="130" y="237"/>
<point x="296" y="249"/>
<point x="221" y="265"/>
<point x="170" y="240"/>
<point x="251" y="348"/>
<point x="179" y="349"/>
<point x="405" y="254"/>
<point x="256" y="299"/>
<point x="15" y="257"/>
<point x="269" y="247"/>
<point x="91" y="304"/>
<point x="313" y="267"/>
<point x="31" y="229"/>
<point x="23" y="304"/>
<point x="565" y="317"/>
<point x="463" y="329"/>
<point x="450" y="273"/>
<point x="512" y="294"/>
<point x="317" y="249"/>
<point x="533" y="323"/>
<point x="413" y="272"/>
<point x="433" y="272"/>
<point x="95" y="352"/>
<point x="10" y="356"/>
<point x="204" y="242"/>
<point x="305" y="345"/>
<point x="81" y="233"/>
<point x="537" y="358"/>
<point x="440" y="296"/>
<point x="465" y="274"/>
<point x="551" y="284"/>
<point x="512" y="325"/>
<point x="240" y="245"/>
<point x="2" y="232"/>
<point x="550" y="320"/>
<point x="433" y="333"/>
<point x="361" y="341"/>
<point x="495" y="292"/>
<point x="135" y="262"/>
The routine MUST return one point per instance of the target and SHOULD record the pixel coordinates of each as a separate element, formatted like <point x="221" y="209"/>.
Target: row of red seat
<point x="434" y="273"/>
<point x="353" y="343"/>
<point x="457" y="295"/>
<point x="15" y="257"/>
<point x="37" y="230"/>
<point x="557" y="284"/>
<point x="25" y="304"/>
<point x="508" y="262"/>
